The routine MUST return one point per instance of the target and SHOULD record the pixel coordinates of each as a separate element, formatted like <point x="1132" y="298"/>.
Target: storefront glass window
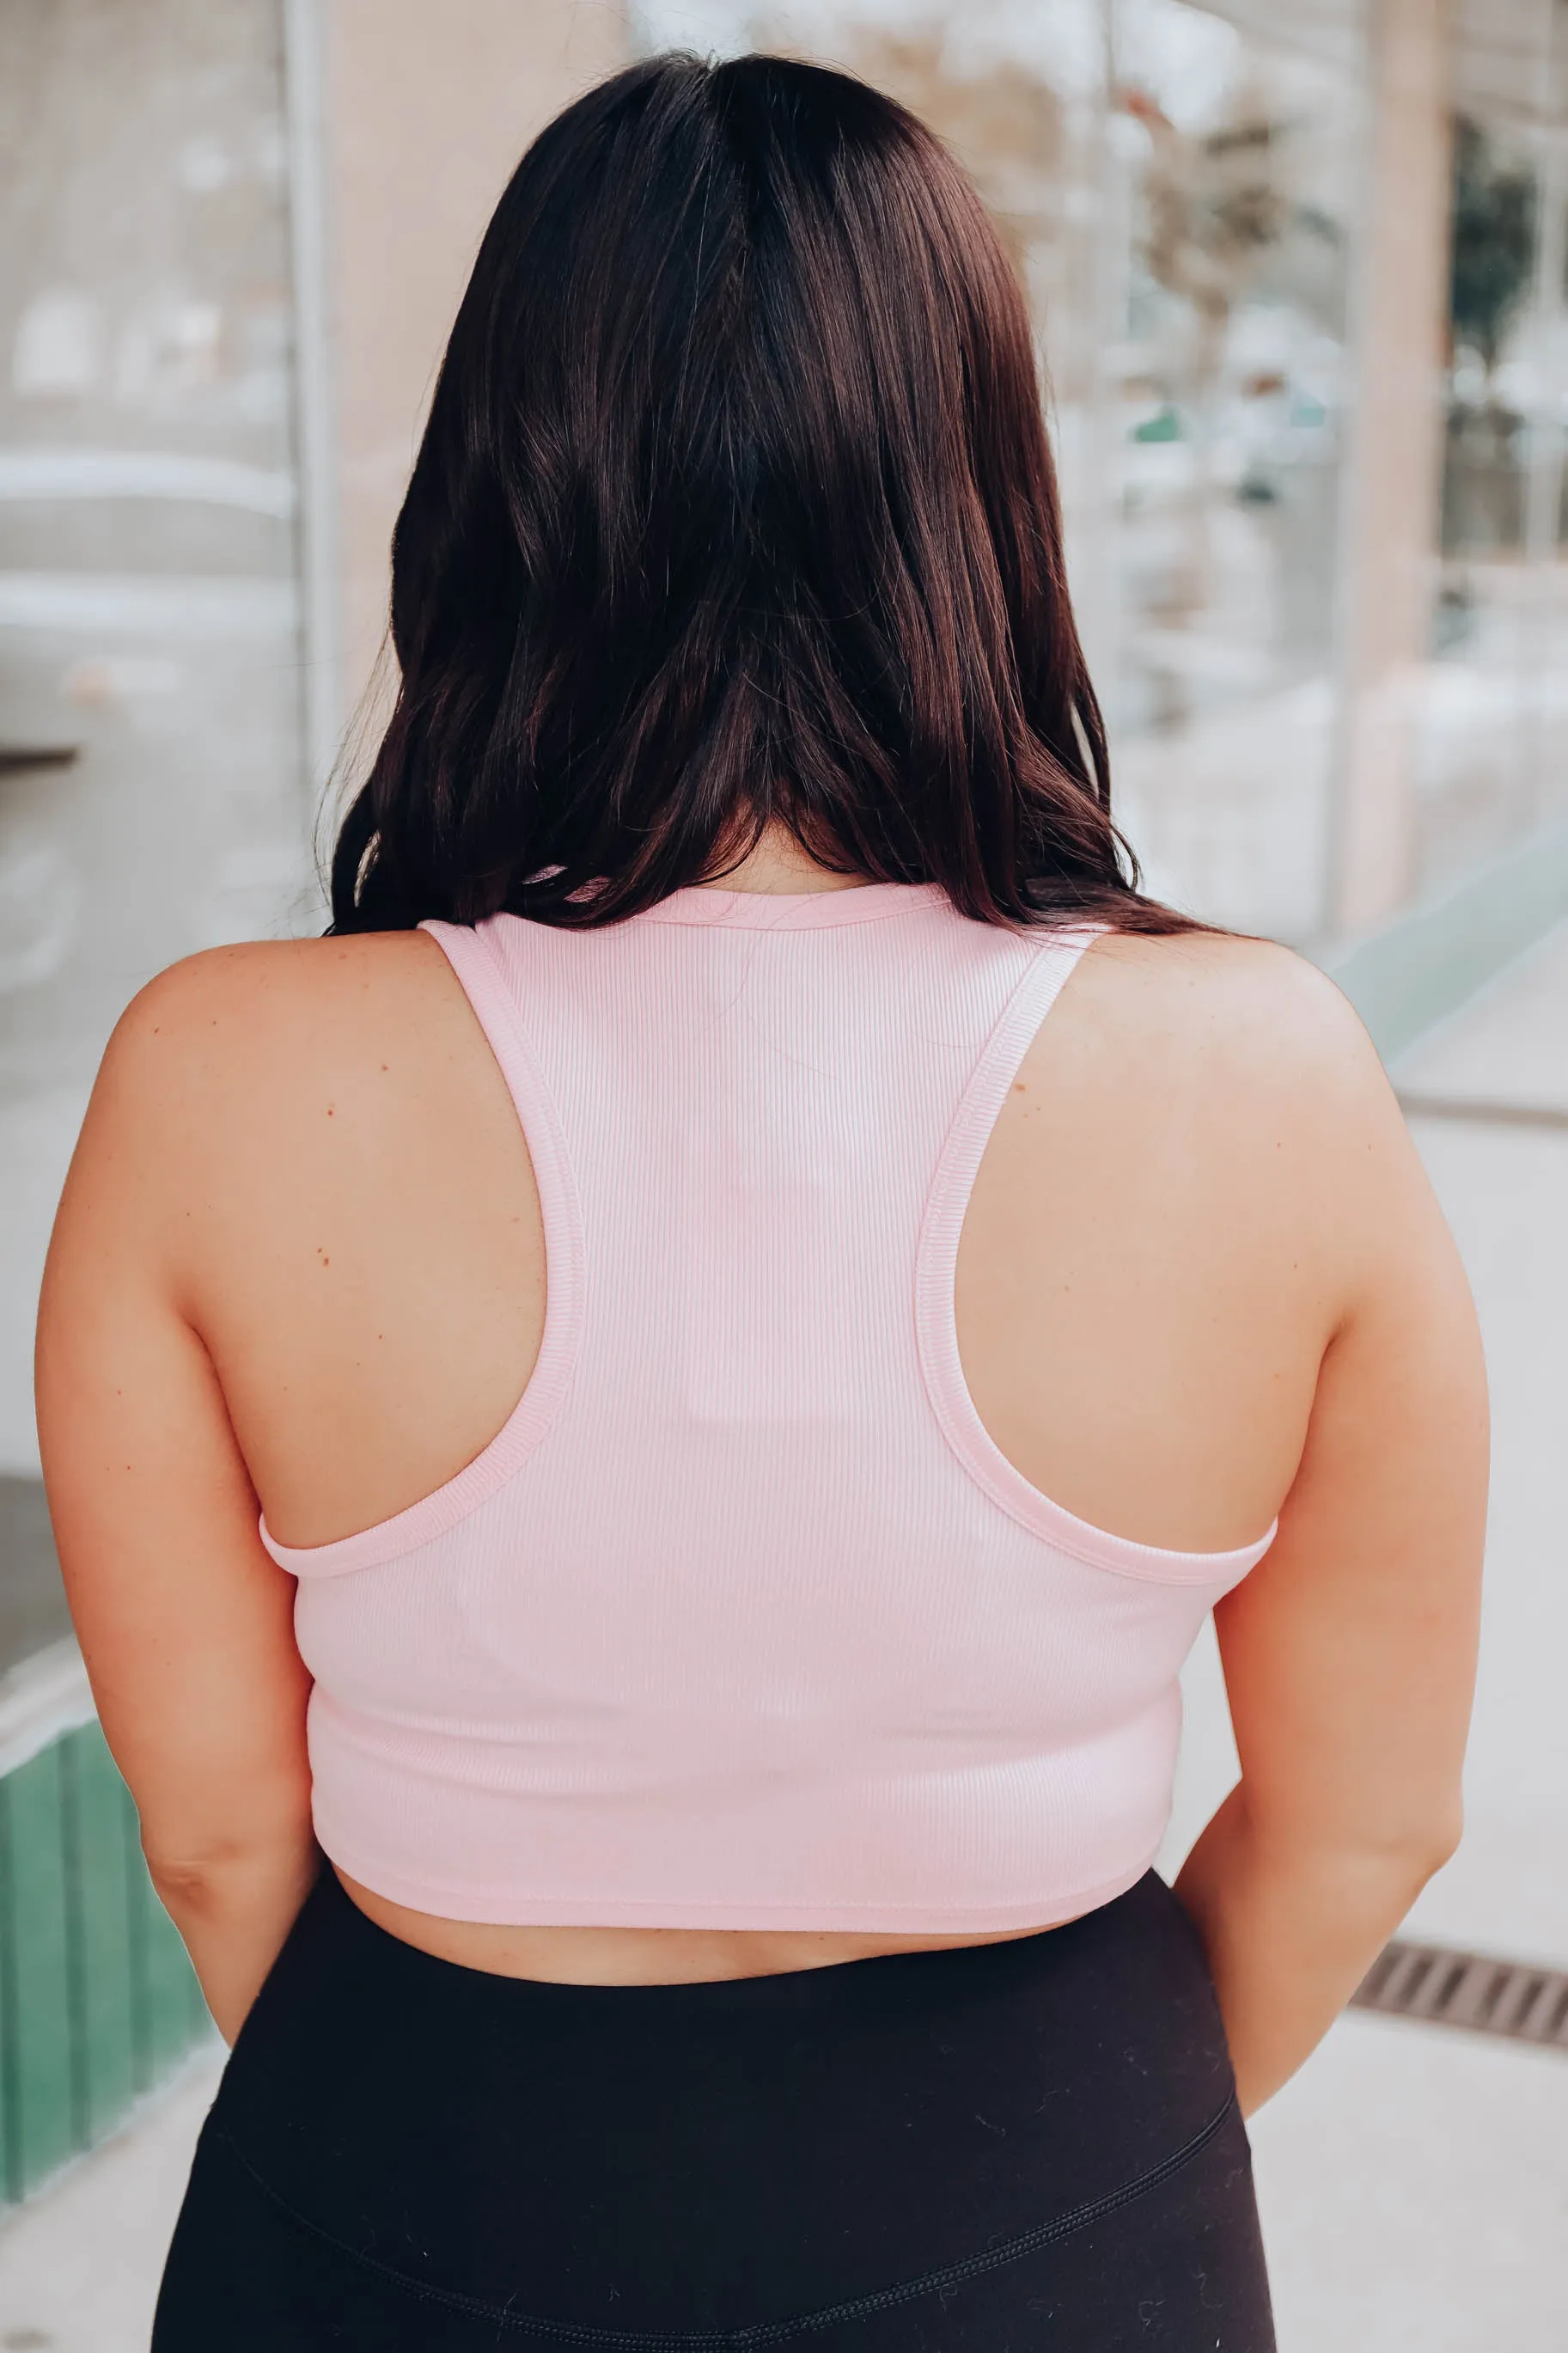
<point x="151" y="796"/>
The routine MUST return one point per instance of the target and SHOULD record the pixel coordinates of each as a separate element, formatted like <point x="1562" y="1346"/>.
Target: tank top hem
<point x="498" y="1908"/>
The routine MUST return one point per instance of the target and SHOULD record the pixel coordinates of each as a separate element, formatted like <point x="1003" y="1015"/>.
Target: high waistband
<point x="722" y="2156"/>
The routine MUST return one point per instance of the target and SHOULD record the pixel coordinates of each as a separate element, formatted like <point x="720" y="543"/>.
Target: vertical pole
<point x="316" y="498"/>
<point x="1543" y="485"/>
<point x="1389" y="540"/>
<point x="1103" y="327"/>
<point x="426" y="111"/>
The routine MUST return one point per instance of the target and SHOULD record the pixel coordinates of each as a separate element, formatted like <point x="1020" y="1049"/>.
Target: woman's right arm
<point x="1350" y="1652"/>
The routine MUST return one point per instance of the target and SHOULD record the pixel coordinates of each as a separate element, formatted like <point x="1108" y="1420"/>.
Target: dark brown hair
<point x="735" y="504"/>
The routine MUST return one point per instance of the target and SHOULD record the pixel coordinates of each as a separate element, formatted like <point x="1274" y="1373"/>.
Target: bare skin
<point x="1202" y="1281"/>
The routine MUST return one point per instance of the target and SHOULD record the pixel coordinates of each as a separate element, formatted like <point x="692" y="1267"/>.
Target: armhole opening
<point x="936" y="1323"/>
<point x="471" y="955"/>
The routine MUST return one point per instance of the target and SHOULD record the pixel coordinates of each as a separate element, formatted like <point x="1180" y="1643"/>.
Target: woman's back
<point x="1173" y="1184"/>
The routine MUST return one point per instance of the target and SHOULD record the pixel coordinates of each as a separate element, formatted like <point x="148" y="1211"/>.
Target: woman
<point x="747" y="1413"/>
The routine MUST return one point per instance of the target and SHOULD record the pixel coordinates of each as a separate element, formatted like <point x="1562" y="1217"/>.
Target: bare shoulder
<point x="256" y="1023"/>
<point x="1238" y="1080"/>
<point x="1228" y="1025"/>
<point x="277" y="1065"/>
<point x="1227" y="994"/>
<point x="259" y="988"/>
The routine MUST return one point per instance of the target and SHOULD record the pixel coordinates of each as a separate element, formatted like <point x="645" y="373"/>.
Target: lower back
<point x="636" y="1955"/>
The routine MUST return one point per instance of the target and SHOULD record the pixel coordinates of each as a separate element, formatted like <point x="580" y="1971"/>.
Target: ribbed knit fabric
<point x="742" y="1621"/>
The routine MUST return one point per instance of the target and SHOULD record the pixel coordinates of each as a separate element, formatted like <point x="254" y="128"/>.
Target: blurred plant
<point x="1493" y="253"/>
<point x="1491" y="271"/>
<point x="1216" y="205"/>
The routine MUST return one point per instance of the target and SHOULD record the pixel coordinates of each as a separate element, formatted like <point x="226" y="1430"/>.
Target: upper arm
<point x="1350" y="1652"/>
<point x="185" y="1622"/>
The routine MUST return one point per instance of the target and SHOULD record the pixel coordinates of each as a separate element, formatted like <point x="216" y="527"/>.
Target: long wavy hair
<point x="735" y="506"/>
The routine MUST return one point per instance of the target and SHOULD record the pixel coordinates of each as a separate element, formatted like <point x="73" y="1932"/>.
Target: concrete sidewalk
<point x="1414" y="2181"/>
<point x="79" y="2262"/>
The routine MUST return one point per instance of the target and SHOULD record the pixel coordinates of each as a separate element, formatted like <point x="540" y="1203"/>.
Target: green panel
<point x="68" y="1763"/>
<point x="41" y="2090"/>
<point x="10" y="2023"/>
<point x="137" y="1894"/>
<point x="98" y="2001"/>
<point x="104" y="1820"/>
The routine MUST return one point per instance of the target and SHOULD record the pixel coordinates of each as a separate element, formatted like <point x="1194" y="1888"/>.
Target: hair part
<point x="735" y="506"/>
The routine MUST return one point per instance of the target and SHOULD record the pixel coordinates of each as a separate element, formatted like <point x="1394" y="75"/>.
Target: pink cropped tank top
<point x="742" y="1621"/>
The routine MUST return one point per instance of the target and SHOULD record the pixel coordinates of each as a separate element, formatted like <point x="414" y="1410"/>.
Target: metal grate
<point x="1470" y="1990"/>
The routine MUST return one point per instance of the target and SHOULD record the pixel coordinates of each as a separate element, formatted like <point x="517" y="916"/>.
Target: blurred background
<point x="1300" y="271"/>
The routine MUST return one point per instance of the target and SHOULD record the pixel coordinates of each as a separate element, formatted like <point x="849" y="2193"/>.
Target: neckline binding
<point x="703" y="906"/>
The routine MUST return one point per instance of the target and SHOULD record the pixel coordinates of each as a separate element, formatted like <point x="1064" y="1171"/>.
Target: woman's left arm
<point x="186" y="1623"/>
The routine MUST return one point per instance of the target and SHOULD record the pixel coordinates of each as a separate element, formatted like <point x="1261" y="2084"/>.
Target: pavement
<point x="1412" y="2179"/>
<point x="79" y="2262"/>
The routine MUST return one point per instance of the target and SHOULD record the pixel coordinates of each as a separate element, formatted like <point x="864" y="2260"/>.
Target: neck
<point x="779" y="867"/>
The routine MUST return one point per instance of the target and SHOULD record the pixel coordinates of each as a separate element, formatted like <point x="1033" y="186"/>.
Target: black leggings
<point x="1008" y="2146"/>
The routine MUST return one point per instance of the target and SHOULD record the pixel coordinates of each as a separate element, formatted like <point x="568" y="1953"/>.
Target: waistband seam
<point x="763" y="2333"/>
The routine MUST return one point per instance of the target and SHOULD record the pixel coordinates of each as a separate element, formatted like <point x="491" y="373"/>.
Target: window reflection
<point x="1298" y="277"/>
